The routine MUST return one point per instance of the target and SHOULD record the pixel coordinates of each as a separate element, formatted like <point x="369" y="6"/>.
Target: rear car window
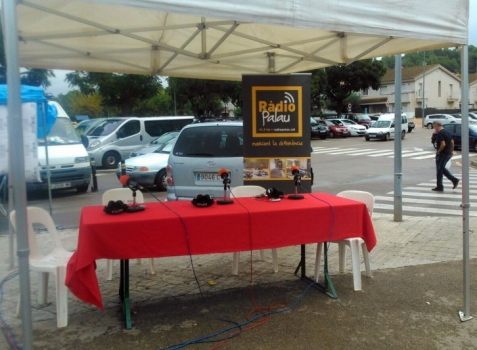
<point x="210" y="141"/>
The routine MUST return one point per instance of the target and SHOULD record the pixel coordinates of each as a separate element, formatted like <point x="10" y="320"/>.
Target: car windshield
<point x="313" y="122"/>
<point x="164" y="138"/>
<point x="363" y="117"/>
<point x="167" y="147"/>
<point x="381" y="124"/>
<point x="105" y="127"/>
<point x="348" y="122"/>
<point x="62" y="132"/>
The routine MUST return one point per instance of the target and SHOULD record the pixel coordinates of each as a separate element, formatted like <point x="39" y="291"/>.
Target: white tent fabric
<point x="225" y="39"/>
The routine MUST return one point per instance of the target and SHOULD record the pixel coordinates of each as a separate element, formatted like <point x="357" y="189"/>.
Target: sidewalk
<point x="168" y="308"/>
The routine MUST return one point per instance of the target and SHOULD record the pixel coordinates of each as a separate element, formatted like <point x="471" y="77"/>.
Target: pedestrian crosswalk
<point x="419" y="200"/>
<point x="412" y="153"/>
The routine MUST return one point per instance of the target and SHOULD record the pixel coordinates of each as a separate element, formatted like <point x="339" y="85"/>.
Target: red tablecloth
<point x="164" y="229"/>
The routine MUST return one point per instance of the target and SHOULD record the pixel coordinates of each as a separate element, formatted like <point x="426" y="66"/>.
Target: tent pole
<point x="17" y="163"/>
<point x="397" y="140"/>
<point x="464" y="63"/>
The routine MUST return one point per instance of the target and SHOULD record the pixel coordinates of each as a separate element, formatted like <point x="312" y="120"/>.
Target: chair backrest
<point x="247" y="191"/>
<point x="40" y="216"/>
<point x="361" y="196"/>
<point x="123" y="194"/>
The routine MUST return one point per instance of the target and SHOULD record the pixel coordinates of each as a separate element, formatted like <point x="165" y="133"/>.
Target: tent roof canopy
<point x="225" y="39"/>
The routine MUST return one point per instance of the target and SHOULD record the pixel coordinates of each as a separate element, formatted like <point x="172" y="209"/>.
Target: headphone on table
<point x="115" y="207"/>
<point x="274" y="193"/>
<point x="202" y="200"/>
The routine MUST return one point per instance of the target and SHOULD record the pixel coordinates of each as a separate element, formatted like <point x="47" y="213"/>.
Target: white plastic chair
<point x="250" y="191"/>
<point x="125" y="195"/>
<point x="55" y="262"/>
<point x="353" y="243"/>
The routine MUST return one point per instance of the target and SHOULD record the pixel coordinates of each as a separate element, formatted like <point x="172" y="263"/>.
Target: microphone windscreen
<point x="295" y="170"/>
<point x="223" y="172"/>
<point x="124" y="180"/>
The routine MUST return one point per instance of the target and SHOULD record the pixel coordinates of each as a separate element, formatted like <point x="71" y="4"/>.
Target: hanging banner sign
<point x="276" y="121"/>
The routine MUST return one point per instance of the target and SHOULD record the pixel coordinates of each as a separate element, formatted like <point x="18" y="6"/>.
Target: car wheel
<point x="366" y="138"/>
<point x="323" y="137"/>
<point x="83" y="188"/>
<point x="160" y="180"/>
<point x="429" y="126"/>
<point x="409" y="130"/>
<point x="111" y="160"/>
<point x="403" y="135"/>
<point x="386" y="137"/>
<point x="474" y="146"/>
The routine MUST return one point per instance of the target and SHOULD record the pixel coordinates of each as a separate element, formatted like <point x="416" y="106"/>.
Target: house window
<point x="451" y="92"/>
<point x="439" y="89"/>
<point x="365" y="92"/>
<point x="420" y="90"/>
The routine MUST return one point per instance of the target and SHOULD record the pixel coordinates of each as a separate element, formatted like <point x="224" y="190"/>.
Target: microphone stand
<point x="297" y="179"/>
<point x="134" y="207"/>
<point x="226" y="200"/>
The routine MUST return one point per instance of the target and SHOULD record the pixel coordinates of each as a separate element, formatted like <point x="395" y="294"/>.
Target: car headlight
<point x="94" y="144"/>
<point x="82" y="159"/>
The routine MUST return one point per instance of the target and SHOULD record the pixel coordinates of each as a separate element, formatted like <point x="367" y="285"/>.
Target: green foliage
<point x="448" y="58"/>
<point x="122" y="94"/>
<point x="339" y="82"/>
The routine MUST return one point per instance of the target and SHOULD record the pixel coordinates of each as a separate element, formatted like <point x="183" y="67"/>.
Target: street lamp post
<point x="423" y="89"/>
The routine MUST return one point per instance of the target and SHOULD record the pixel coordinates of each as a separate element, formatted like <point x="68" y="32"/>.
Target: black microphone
<point x="296" y="176"/>
<point x="224" y="174"/>
<point x="133" y="186"/>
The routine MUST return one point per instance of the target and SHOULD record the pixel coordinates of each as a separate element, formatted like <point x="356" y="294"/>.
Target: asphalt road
<point x="338" y="164"/>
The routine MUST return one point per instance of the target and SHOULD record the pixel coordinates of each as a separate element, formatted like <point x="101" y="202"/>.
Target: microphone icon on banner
<point x="133" y="186"/>
<point x="297" y="178"/>
<point x="225" y="176"/>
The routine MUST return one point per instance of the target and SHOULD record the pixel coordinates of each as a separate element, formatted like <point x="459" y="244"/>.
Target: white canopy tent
<point x="217" y="39"/>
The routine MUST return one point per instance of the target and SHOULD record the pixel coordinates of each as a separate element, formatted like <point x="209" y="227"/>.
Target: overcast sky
<point x="59" y="86"/>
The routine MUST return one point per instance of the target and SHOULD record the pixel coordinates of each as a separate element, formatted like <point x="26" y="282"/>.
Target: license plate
<point x="60" y="185"/>
<point x="208" y="177"/>
<point x="372" y="136"/>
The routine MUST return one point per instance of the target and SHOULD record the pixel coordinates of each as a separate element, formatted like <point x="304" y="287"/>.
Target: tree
<point x="205" y="97"/>
<point x="119" y="92"/>
<point x="76" y="103"/>
<point x="341" y="81"/>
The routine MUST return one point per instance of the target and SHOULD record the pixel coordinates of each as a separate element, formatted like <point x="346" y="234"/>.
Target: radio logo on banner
<point x="277" y="111"/>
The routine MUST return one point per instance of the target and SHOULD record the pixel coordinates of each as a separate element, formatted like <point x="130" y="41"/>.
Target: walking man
<point x="445" y="150"/>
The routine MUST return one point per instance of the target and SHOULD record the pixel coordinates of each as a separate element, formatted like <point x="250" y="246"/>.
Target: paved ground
<point x="411" y="302"/>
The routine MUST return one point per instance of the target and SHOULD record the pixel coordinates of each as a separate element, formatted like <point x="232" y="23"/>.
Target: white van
<point x="383" y="129"/>
<point x="67" y="157"/>
<point x="113" y="139"/>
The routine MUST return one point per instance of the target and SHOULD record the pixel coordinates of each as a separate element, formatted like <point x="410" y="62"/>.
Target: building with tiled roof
<point x="438" y="87"/>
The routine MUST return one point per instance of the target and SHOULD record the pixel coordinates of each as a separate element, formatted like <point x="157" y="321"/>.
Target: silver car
<point x="149" y="169"/>
<point x="200" y="151"/>
<point x="155" y="144"/>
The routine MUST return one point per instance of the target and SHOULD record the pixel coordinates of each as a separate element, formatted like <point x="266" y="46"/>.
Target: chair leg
<point x="262" y="255"/>
<point x="61" y="298"/>
<point x="275" y="260"/>
<point x="109" y="269"/>
<point x="354" y="245"/>
<point x="319" y="248"/>
<point x="151" y="265"/>
<point x="342" y="256"/>
<point x="43" y="287"/>
<point x="366" y="259"/>
<point x="235" y="263"/>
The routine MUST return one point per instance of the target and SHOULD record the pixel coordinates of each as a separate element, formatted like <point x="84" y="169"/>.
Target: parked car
<point x="335" y="129"/>
<point x="155" y="144"/>
<point x="443" y="118"/>
<point x="319" y="130"/>
<point x="361" y="119"/>
<point x="200" y="151"/>
<point x="455" y="129"/>
<point x="384" y="128"/>
<point x="150" y="169"/>
<point x="473" y="115"/>
<point x="374" y="116"/>
<point x="354" y="128"/>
